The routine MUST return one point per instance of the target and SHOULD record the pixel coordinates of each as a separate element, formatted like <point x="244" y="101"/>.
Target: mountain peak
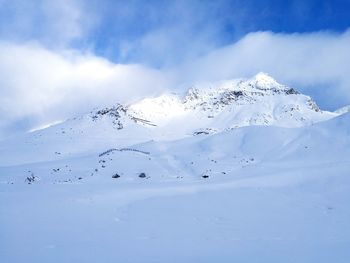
<point x="264" y="81"/>
<point x="262" y="76"/>
<point x="260" y="100"/>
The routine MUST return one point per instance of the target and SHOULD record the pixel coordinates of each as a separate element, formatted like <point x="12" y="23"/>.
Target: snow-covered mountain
<point x="214" y="107"/>
<point x="225" y="168"/>
<point x="231" y="104"/>
<point x="343" y="110"/>
<point x="203" y="109"/>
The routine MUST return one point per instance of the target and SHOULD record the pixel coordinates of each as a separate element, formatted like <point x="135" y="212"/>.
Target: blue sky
<point x="164" y="44"/>
<point x="118" y="30"/>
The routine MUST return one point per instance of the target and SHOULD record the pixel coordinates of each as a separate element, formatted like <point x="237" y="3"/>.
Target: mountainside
<point x="204" y="109"/>
<point x="220" y="154"/>
<point x="237" y="171"/>
<point x="231" y="104"/>
<point x="214" y="107"/>
<point x="343" y="110"/>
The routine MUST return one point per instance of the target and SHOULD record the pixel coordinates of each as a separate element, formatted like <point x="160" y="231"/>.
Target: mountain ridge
<point x="204" y="110"/>
<point x="257" y="101"/>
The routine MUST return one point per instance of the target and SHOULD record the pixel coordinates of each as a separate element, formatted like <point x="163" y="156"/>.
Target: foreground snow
<point x="279" y="217"/>
<point x="285" y="206"/>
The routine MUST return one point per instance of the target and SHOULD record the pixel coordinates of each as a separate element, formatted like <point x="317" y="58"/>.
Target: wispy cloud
<point x="55" y="23"/>
<point x="316" y="63"/>
<point x="59" y="58"/>
<point x="40" y="85"/>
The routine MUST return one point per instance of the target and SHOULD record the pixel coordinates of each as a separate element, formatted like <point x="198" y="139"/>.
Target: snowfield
<point x="237" y="171"/>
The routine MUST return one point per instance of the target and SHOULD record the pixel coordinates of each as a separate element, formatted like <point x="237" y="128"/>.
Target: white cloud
<point x="38" y="85"/>
<point x="313" y="62"/>
<point x="65" y="19"/>
<point x="55" y="23"/>
<point x="42" y="85"/>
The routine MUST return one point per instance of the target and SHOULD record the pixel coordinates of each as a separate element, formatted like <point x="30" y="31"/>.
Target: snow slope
<point x="191" y="157"/>
<point x="205" y="108"/>
<point x="111" y="186"/>
<point x="343" y="110"/>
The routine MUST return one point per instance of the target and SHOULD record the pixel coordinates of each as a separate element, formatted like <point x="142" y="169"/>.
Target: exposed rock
<point x="142" y="175"/>
<point x="115" y="176"/>
<point x="31" y="179"/>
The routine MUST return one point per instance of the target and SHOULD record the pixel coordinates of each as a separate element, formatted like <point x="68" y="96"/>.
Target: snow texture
<point x="236" y="171"/>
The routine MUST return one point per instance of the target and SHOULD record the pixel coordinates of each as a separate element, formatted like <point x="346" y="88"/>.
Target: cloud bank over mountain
<point x="38" y="85"/>
<point x="316" y="63"/>
<point x="61" y="58"/>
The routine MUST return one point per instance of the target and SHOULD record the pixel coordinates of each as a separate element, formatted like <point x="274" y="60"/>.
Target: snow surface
<point x="266" y="178"/>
